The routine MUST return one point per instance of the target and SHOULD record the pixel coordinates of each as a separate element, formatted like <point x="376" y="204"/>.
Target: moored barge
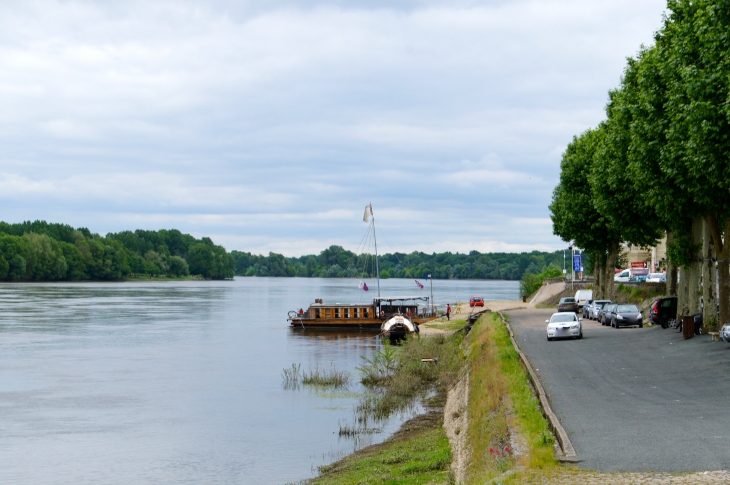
<point x="363" y="315"/>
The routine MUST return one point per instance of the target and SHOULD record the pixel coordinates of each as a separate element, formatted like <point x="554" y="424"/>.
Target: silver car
<point x="596" y="307"/>
<point x="564" y="325"/>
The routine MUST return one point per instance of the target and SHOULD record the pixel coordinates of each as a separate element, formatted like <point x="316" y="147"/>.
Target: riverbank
<point x="489" y="425"/>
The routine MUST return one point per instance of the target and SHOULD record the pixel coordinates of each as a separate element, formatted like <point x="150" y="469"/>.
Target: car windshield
<point x="627" y="309"/>
<point x="567" y="300"/>
<point x="655" y="275"/>
<point x="562" y="317"/>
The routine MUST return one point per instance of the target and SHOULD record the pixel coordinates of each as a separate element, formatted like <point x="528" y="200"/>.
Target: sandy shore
<point x="462" y="310"/>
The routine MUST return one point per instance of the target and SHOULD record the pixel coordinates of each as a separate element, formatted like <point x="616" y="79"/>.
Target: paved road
<point x="635" y="399"/>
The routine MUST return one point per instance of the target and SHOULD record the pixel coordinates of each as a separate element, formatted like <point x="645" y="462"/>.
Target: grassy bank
<point x="418" y="453"/>
<point x="506" y="427"/>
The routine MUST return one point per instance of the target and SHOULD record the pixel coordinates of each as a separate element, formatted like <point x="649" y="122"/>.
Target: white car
<point x="656" y="278"/>
<point x="564" y="325"/>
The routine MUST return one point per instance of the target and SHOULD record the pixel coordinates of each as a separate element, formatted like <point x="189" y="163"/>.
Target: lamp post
<point x="572" y="265"/>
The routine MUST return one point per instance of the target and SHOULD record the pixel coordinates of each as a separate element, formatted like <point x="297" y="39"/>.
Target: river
<point x="180" y="382"/>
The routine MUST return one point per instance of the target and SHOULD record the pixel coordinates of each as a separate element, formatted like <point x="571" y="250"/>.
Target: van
<point x="581" y="296"/>
<point x="630" y="275"/>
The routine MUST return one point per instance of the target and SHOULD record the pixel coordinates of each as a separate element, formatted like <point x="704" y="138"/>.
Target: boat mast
<point x="377" y="269"/>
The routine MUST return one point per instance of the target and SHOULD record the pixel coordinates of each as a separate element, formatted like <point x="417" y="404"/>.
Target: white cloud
<point x="270" y="124"/>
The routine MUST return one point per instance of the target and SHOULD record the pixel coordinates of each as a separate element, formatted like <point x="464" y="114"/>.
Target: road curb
<point x="568" y="454"/>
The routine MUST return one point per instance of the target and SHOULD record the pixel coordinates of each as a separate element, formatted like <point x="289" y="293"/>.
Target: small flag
<point x="363" y="286"/>
<point x="368" y="213"/>
<point x="419" y="284"/>
<point x="428" y="276"/>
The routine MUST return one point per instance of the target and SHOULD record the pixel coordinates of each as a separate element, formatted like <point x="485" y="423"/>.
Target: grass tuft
<point x="323" y="377"/>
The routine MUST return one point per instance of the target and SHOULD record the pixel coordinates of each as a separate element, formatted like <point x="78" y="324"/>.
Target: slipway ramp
<point x="546" y="292"/>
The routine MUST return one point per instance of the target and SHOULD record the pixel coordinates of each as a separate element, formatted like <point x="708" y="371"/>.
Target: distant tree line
<point x="41" y="251"/>
<point x="336" y="262"/>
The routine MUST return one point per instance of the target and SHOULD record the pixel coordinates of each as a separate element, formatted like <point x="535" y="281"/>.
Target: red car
<point x="476" y="301"/>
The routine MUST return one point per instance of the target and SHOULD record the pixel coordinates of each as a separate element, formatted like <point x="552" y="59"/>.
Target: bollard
<point x="688" y="327"/>
<point x="524" y="299"/>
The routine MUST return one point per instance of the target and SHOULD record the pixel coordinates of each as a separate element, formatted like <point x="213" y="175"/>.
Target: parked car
<point x="596" y="307"/>
<point x="564" y="325"/>
<point x="664" y="311"/>
<point x="476" y="301"/>
<point x="656" y="278"/>
<point x="607" y="313"/>
<point x="567" y="304"/>
<point x="587" y="308"/>
<point x="625" y="315"/>
<point x="725" y="332"/>
<point x="582" y="296"/>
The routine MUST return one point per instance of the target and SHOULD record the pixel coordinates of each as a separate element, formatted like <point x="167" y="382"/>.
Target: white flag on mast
<point x="368" y="213"/>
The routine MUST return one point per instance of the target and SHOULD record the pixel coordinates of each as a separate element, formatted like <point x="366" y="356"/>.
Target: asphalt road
<point x="635" y="399"/>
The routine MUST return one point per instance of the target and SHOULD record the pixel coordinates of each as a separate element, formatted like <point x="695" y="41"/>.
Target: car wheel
<point x="549" y="339"/>
<point x="671" y="322"/>
<point x="664" y="323"/>
<point x="641" y="325"/>
<point x="581" y="335"/>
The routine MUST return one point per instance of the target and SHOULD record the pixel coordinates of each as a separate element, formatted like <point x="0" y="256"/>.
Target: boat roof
<point x="399" y="298"/>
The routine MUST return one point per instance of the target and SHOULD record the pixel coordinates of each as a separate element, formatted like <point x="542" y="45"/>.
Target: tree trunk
<point x="709" y="294"/>
<point x="596" y="278"/>
<point x="683" y="292"/>
<point x="610" y="266"/>
<point x="600" y="276"/>
<point x="671" y="269"/>
<point x="695" y="269"/>
<point x="722" y="249"/>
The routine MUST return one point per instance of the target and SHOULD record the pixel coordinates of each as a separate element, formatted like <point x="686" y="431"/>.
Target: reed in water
<point x="318" y="377"/>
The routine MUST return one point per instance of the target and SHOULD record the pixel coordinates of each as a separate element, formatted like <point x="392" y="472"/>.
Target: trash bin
<point x="688" y="326"/>
<point x="524" y="299"/>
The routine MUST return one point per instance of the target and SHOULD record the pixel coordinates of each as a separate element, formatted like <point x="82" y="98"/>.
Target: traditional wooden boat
<point x="365" y="316"/>
<point x="395" y="315"/>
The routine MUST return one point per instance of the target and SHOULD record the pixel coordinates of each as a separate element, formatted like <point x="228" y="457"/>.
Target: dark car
<point x="625" y="315"/>
<point x="476" y="301"/>
<point x="606" y="314"/>
<point x="568" y="305"/>
<point x="664" y="311"/>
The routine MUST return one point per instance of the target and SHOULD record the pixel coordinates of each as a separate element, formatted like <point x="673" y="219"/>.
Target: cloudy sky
<point x="270" y="125"/>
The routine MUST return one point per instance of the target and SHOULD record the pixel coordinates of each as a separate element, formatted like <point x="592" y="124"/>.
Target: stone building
<point x="654" y="257"/>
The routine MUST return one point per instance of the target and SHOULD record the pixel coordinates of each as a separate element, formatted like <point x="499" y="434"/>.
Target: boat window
<point x="317" y="313"/>
<point x="366" y="313"/>
<point x="355" y="312"/>
<point x="347" y="313"/>
<point x="337" y="313"/>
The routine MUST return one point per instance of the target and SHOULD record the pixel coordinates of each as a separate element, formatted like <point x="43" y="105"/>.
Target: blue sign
<point x="577" y="263"/>
<point x="428" y="276"/>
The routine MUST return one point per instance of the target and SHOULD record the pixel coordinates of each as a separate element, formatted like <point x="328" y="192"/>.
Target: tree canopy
<point x="41" y="251"/>
<point x="336" y="261"/>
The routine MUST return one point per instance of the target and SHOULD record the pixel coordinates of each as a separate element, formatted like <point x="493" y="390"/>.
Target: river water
<point x="180" y="382"/>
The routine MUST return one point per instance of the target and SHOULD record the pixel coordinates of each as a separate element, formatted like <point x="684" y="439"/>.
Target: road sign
<point x="577" y="263"/>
